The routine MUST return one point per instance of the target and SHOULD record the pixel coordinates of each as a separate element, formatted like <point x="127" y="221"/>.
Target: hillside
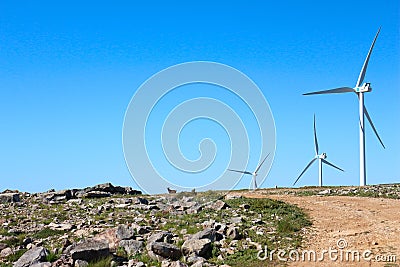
<point x="108" y="225"/>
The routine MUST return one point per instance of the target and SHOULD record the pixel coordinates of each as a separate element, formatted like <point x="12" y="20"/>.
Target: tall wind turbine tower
<point x="359" y="90"/>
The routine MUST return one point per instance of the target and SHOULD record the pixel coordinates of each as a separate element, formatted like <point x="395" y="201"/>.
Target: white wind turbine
<point x="359" y="90"/>
<point x="254" y="174"/>
<point x="320" y="157"/>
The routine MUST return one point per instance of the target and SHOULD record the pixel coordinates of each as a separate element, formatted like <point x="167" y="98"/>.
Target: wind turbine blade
<point x="330" y="164"/>
<point x="245" y="172"/>
<point x="315" y="138"/>
<point x="309" y="164"/>
<point x="332" y="91"/>
<point x="364" y="67"/>
<point x="373" y="127"/>
<point x="259" y="166"/>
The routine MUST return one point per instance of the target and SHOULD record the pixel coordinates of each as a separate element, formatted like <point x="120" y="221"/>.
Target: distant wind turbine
<point x="320" y="157"/>
<point x="359" y="90"/>
<point x="254" y="174"/>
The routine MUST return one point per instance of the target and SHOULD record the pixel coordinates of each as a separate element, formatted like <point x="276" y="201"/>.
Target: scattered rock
<point x="218" y="205"/>
<point x="60" y="226"/>
<point x="166" y="250"/>
<point x="200" y="247"/>
<point x="325" y="192"/>
<point x="3" y="246"/>
<point x="233" y="233"/>
<point x="90" y="249"/>
<point x="132" y="247"/>
<point x="41" y="264"/>
<point x="125" y="232"/>
<point x="81" y="263"/>
<point x="94" y="194"/>
<point x="173" y="264"/>
<point x="32" y="256"/>
<point x="9" y="197"/>
<point x="206" y="233"/>
<point x="6" y="252"/>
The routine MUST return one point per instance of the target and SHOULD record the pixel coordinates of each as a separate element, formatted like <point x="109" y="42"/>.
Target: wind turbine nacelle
<point x="366" y="87"/>
<point x="323" y="156"/>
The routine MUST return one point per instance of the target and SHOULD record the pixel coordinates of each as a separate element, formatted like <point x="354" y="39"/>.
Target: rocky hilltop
<point x="108" y="225"/>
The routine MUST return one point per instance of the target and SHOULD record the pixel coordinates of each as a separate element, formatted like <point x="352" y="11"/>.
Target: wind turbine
<point x="254" y="174"/>
<point x="320" y="157"/>
<point x="359" y="90"/>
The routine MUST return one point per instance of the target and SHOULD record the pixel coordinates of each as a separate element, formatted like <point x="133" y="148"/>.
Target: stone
<point x="9" y="197"/>
<point x="236" y="219"/>
<point x="60" y="226"/>
<point x="141" y="230"/>
<point x="192" y="259"/>
<point x="32" y="256"/>
<point x="162" y="236"/>
<point x="57" y="196"/>
<point x="6" y="252"/>
<point x="218" y="205"/>
<point x="245" y="206"/>
<point x="26" y="241"/>
<point x="81" y="263"/>
<point x="233" y="233"/>
<point x="41" y="264"/>
<point x="90" y="250"/>
<point x="140" y="200"/>
<point x="125" y="232"/>
<point x="132" y="247"/>
<point x="199" y="264"/>
<point x="110" y="237"/>
<point x="206" y="233"/>
<point x="166" y="250"/>
<point x="3" y="246"/>
<point x="200" y="247"/>
<point x="95" y="194"/>
<point x="194" y="209"/>
<point x="325" y="192"/>
<point x="173" y="264"/>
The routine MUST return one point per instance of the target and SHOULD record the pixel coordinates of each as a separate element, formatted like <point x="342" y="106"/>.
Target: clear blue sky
<point x="69" y="69"/>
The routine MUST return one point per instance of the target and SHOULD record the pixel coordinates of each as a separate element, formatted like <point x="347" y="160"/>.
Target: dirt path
<point x="364" y="223"/>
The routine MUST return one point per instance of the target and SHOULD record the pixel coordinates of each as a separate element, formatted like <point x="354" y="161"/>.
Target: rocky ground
<point x="108" y="225"/>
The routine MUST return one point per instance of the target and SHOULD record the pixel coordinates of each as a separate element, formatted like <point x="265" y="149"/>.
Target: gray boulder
<point x="32" y="256"/>
<point x="140" y="200"/>
<point x="173" y="264"/>
<point x="9" y="197"/>
<point x="233" y="233"/>
<point x="90" y="250"/>
<point x="162" y="236"/>
<point x="206" y="233"/>
<point x="94" y="194"/>
<point x="81" y="263"/>
<point x="125" y="232"/>
<point x="218" y="205"/>
<point x="166" y="250"/>
<point x="132" y="247"/>
<point x="57" y="196"/>
<point x="41" y="264"/>
<point x="200" y="247"/>
<point x="3" y="246"/>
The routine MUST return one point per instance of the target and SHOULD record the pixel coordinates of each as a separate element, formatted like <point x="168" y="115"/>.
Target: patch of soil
<point x="364" y="223"/>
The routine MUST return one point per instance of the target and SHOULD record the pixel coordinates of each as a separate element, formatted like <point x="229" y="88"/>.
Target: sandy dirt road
<point x="364" y="223"/>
